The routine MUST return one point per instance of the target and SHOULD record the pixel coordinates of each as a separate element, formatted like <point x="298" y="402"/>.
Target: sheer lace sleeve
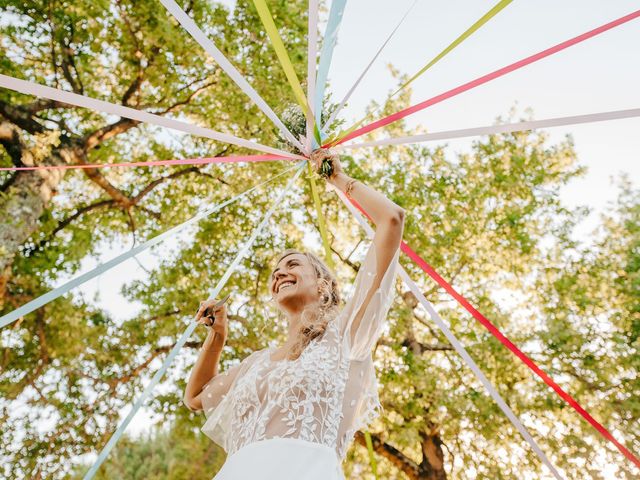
<point x="217" y="404"/>
<point x="216" y="389"/>
<point x="375" y="313"/>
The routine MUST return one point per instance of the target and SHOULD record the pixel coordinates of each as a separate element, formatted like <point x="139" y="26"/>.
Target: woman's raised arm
<point x="388" y="218"/>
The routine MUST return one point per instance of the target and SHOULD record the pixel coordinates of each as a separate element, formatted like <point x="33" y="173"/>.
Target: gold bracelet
<point x="350" y="185"/>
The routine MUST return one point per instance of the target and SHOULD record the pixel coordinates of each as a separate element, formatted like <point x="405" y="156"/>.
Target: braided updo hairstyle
<point x="314" y="321"/>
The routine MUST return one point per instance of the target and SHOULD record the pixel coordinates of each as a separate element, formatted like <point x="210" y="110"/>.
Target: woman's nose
<point x="278" y="275"/>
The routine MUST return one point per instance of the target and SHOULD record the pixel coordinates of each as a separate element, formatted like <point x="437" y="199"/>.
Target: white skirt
<point x="282" y="459"/>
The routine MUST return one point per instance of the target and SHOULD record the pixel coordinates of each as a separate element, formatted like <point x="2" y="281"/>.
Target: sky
<point x="600" y="74"/>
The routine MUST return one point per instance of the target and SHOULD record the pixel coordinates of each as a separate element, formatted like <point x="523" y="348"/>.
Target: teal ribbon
<point x="326" y="55"/>
<point x="189" y="331"/>
<point x="100" y="269"/>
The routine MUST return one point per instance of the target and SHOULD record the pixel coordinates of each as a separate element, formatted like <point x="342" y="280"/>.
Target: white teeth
<point x="285" y="284"/>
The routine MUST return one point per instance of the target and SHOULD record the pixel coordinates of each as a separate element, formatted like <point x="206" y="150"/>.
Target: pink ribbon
<point x="185" y="161"/>
<point x="486" y="78"/>
<point x="429" y="270"/>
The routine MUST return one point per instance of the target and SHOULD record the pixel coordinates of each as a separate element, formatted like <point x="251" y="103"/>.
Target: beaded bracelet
<point x="350" y="187"/>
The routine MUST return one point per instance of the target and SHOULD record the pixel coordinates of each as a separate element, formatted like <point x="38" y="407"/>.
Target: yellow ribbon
<point x="372" y="458"/>
<point x="321" y="222"/>
<point x="470" y="31"/>
<point x="287" y="66"/>
<point x="281" y="52"/>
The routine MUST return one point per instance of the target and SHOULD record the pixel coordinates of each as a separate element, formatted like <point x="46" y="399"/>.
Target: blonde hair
<point x="314" y="321"/>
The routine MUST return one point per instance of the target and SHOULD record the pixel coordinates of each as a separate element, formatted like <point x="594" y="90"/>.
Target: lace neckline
<point x="270" y="350"/>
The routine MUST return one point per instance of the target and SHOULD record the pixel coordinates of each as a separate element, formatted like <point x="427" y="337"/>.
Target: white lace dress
<point x="295" y="419"/>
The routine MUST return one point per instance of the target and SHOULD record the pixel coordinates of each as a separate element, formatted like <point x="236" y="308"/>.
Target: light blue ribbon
<point x="326" y="54"/>
<point x="187" y="333"/>
<point x="100" y="269"/>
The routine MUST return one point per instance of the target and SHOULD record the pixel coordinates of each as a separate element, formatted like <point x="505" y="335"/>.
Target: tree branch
<point x="150" y="212"/>
<point x="343" y="259"/>
<point x="172" y="94"/>
<point x="134" y="88"/>
<point x="137" y="370"/>
<point x="186" y="100"/>
<point x="132" y="224"/>
<point x="12" y="143"/>
<point x="103" y="134"/>
<point x="417" y="347"/>
<point x="8" y="182"/>
<point x="68" y="63"/>
<point x="44" y="104"/>
<point x="10" y="140"/>
<point x="65" y="222"/>
<point x="148" y="188"/>
<point x="392" y="454"/>
<point x="117" y="195"/>
<point x="17" y="116"/>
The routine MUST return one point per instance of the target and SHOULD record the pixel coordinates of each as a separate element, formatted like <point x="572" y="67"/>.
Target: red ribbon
<point x="506" y="342"/>
<point x="153" y="163"/>
<point x="486" y="78"/>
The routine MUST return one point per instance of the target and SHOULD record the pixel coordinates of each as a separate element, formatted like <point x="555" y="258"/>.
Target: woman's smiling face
<point x="294" y="281"/>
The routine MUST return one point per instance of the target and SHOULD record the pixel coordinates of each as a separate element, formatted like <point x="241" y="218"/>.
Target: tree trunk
<point x="432" y="465"/>
<point x="24" y="201"/>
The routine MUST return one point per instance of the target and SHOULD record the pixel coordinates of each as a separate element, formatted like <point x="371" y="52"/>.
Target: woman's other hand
<point x="215" y="319"/>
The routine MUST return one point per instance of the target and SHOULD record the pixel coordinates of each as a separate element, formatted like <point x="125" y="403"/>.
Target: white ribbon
<point x="187" y="333"/>
<point x="43" y="91"/>
<point x="334" y="115"/>
<point x="100" y="269"/>
<point x="457" y="346"/>
<point x="504" y="128"/>
<point x="198" y="35"/>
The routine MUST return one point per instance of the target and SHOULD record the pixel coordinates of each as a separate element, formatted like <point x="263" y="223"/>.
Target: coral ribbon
<point x="157" y="163"/>
<point x="484" y="79"/>
<point x="429" y="270"/>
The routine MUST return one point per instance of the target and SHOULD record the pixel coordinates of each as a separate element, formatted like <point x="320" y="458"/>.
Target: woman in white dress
<point x="291" y="412"/>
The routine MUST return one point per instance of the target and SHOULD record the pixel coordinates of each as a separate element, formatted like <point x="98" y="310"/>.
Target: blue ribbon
<point x="100" y="269"/>
<point x="326" y="54"/>
<point x="187" y="333"/>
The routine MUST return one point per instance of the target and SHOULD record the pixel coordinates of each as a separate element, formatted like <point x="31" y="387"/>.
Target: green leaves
<point x="488" y="219"/>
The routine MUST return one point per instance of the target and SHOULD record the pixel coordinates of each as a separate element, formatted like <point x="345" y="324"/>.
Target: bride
<point x="291" y="412"/>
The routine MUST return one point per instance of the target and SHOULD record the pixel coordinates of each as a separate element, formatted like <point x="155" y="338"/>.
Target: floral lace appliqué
<point x="303" y="398"/>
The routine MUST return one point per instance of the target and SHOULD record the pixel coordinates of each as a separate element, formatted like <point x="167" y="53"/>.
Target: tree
<point x="173" y="452"/>
<point x="489" y="221"/>
<point x="68" y="361"/>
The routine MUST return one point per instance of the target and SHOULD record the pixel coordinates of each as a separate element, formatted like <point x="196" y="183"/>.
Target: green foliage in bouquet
<point x="295" y="120"/>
